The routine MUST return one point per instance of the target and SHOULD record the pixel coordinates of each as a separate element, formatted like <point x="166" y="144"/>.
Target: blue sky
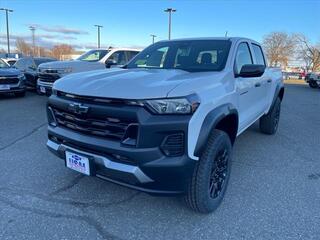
<point x="130" y="23"/>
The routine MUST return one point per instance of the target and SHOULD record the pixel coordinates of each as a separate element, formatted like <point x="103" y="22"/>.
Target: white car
<point x="166" y="124"/>
<point x="91" y="60"/>
<point x="10" y="61"/>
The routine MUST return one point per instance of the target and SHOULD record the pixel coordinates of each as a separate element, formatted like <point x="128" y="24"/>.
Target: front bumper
<point x="15" y="88"/>
<point x="144" y="167"/>
<point x="44" y="88"/>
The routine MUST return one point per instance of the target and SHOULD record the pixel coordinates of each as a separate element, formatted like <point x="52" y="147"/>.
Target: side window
<point x="131" y="54"/>
<point x="119" y="57"/>
<point x="257" y="51"/>
<point x="243" y="56"/>
<point x="20" y="63"/>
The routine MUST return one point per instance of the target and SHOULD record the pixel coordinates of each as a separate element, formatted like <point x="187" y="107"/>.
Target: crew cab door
<point x="248" y="88"/>
<point x="264" y="81"/>
<point x="118" y="58"/>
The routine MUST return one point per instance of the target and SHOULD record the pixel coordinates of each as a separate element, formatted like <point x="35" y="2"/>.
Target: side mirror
<point x="251" y="70"/>
<point x="32" y="68"/>
<point x="110" y="62"/>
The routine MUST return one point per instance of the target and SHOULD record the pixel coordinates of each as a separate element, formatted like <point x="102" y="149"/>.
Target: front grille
<point x="9" y="80"/>
<point x="106" y="127"/>
<point x="173" y="145"/>
<point x="48" y="77"/>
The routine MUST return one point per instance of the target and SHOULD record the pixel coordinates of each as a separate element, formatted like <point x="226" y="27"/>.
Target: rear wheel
<point x="211" y="174"/>
<point x="269" y="123"/>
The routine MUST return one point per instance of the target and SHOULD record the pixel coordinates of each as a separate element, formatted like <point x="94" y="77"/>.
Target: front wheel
<point x="211" y="174"/>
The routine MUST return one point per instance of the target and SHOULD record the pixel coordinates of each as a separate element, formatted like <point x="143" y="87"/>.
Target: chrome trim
<point x="53" y="117"/>
<point x="54" y="146"/>
<point x="44" y="84"/>
<point x="134" y="170"/>
<point x="16" y="76"/>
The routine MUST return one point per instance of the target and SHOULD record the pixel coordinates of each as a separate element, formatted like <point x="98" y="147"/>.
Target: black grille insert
<point x="173" y="145"/>
<point x="47" y="77"/>
<point x="107" y="127"/>
<point x="9" y="80"/>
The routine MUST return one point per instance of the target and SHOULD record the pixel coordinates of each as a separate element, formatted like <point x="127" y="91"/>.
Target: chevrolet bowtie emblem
<point x="78" y="108"/>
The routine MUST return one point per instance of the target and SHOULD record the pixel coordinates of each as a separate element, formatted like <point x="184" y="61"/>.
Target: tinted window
<point x="258" y="54"/>
<point x="193" y="56"/>
<point x="131" y="54"/>
<point x="23" y="63"/>
<point x="93" y="55"/>
<point x="119" y="57"/>
<point x="243" y="56"/>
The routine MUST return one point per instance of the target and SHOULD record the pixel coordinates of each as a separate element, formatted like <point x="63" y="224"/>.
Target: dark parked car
<point x="11" y="80"/>
<point x="29" y="65"/>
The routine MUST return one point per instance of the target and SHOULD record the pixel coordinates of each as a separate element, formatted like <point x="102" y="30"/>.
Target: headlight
<point x="173" y="105"/>
<point x="65" y="70"/>
<point x="21" y="76"/>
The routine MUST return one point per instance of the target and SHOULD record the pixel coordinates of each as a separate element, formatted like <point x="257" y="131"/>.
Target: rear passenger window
<point x="258" y="54"/>
<point x="243" y="56"/>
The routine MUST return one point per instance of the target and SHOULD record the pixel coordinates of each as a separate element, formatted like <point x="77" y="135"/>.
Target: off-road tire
<point x="198" y="196"/>
<point x="269" y="122"/>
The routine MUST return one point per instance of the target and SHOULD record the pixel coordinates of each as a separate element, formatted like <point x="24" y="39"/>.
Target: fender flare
<point x="210" y="122"/>
<point x="276" y="94"/>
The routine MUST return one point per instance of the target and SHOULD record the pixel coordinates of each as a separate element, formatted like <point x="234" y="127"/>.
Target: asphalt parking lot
<point x="274" y="190"/>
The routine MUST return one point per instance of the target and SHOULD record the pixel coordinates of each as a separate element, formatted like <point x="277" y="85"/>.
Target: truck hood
<point x="124" y="83"/>
<point x="76" y="65"/>
<point x="8" y="72"/>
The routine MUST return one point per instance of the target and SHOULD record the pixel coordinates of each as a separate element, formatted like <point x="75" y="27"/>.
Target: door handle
<point x="269" y="81"/>
<point x="257" y="85"/>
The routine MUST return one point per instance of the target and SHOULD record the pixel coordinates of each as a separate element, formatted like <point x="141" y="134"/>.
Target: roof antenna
<point x="226" y="34"/>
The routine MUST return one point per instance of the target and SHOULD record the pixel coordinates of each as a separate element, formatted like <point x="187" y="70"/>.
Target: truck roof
<point x="233" y="39"/>
<point x="118" y="49"/>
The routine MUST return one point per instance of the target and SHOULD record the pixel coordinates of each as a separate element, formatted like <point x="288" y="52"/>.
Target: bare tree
<point x="279" y="47"/>
<point x="309" y="53"/>
<point x="62" y="49"/>
<point x="23" y="47"/>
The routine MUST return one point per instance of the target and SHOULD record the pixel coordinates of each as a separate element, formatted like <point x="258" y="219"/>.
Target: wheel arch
<point x="225" y="118"/>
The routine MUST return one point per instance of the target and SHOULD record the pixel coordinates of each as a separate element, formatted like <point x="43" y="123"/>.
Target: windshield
<point x="93" y="55"/>
<point x="192" y="56"/>
<point x="3" y="64"/>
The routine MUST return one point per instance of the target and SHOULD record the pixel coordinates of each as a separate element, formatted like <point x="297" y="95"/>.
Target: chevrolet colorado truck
<point x="167" y="121"/>
<point x="92" y="60"/>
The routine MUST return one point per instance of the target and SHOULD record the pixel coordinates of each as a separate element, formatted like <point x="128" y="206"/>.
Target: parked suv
<point x="91" y="60"/>
<point x="166" y="122"/>
<point x="29" y="65"/>
<point x="11" y="80"/>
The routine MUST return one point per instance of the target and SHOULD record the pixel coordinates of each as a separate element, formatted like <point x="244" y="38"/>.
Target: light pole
<point x="8" y="41"/>
<point x="153" y="37"/>
<point x="170" y="11"/>
<point x="33" y="29"/>
<point x="98" y="26"/>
